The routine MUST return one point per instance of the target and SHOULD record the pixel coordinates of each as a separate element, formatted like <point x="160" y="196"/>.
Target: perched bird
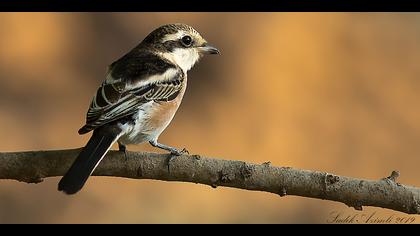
<point x="139" y="97"/>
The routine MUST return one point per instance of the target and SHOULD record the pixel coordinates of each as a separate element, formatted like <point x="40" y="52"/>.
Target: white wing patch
<point x="168" y="75"/>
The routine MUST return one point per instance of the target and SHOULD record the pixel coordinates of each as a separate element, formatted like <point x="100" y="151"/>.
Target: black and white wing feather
<point x="123" y="94"/>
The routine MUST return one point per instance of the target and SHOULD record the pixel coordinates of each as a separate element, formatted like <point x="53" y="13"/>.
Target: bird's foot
<point x="177" y="152"/>
<point x="122" y="148"/>
<point x="172" y="150"/>
<point x="174" y="153"/>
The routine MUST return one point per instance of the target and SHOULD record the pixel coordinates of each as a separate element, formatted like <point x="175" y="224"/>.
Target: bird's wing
<point x="119" y="98"/>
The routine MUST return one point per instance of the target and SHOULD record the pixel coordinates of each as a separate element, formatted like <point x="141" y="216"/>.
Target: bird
<point x="138" y="98"/>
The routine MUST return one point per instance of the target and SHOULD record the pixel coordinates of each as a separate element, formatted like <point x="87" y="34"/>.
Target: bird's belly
<point x="150" y="121"/>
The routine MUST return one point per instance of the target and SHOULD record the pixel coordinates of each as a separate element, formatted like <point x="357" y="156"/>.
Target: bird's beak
<point x="207" y="49"/>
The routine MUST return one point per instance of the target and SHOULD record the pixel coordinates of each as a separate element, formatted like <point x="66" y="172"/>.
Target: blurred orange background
<point x="335" y="92"/>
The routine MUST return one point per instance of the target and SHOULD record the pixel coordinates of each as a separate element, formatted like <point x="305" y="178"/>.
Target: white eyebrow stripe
<point x="172" y="37"/>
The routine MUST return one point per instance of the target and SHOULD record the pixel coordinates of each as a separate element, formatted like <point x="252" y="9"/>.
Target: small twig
<point x="394" y="175"/>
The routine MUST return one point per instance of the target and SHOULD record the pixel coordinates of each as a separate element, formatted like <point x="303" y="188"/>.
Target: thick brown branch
<point x="32" y="167"/>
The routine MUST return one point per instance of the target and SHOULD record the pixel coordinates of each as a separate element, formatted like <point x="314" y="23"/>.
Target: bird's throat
<point x="185" y="58"/>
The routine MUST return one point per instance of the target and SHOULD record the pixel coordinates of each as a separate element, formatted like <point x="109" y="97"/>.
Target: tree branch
<point x="33" y="166"/>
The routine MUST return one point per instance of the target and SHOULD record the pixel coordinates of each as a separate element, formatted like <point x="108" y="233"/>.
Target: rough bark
<point x="34" y="166"/>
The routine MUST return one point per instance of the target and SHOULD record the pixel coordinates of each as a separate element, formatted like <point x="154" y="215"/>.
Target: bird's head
<point x="179" y="43"/>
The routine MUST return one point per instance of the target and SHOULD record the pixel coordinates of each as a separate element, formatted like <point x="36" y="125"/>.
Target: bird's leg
<point x="174" y="151"/>
<point x="122" y="148"/>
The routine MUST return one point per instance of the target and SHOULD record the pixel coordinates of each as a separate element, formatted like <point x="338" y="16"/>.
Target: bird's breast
<point x="151" y="119"/>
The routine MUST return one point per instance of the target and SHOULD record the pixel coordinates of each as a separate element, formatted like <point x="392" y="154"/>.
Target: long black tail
<point x="98" y="145"/>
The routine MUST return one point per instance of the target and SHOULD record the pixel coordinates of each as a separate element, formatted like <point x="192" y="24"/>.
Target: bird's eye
<point x="187" y="41"/>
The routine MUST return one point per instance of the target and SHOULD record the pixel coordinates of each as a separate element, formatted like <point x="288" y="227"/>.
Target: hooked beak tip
<point x="209" y="50"/>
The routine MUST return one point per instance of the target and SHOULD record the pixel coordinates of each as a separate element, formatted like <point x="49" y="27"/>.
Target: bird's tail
<point x="98" y="145"/>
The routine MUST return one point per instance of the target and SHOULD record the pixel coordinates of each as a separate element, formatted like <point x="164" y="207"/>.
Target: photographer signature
<point x="337" y="217"/>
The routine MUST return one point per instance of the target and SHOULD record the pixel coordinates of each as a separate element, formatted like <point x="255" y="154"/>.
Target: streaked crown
<point x="168" y="37"/>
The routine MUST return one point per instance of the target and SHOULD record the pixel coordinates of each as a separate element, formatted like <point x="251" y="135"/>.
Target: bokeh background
<point x="336" y="92"/>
